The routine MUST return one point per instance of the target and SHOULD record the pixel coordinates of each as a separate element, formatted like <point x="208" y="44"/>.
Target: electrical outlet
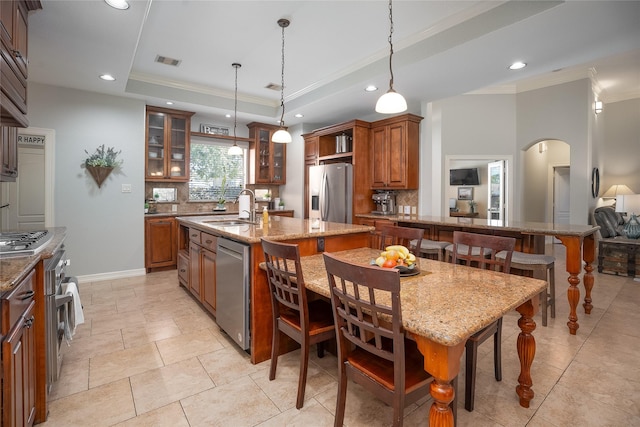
<point x="414" y="210"/>
<point x="407" y="210"/>
<point x="126" y="188"/>
<point x="174" y="208"/>
<point x="320" y="244"/>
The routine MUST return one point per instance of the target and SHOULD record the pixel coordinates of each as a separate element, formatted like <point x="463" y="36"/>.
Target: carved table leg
<point x="574" y="267"/>
<point x="443" y="363"/>
<point x="526" y="350"/>
<point x="589" y="254"/>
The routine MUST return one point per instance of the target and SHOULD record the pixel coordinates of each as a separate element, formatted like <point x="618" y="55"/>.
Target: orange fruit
<point x="389" y="263"/>
<point x="394" y="255"/>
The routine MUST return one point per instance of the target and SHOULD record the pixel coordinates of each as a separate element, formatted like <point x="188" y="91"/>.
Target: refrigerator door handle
<point x="324" y="197"/>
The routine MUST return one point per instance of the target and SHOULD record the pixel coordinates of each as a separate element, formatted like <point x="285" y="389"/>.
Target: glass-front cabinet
<point x="268" y="159"/>
<point x="167" y="144"/>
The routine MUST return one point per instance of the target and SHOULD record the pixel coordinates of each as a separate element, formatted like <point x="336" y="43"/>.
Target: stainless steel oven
<point x="56" y="304"/>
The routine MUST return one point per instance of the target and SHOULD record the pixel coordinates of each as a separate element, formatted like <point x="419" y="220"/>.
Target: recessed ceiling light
<point x="299" y="116"/>
<point x="107" y="77"/>
<point x="371" y="88"/>
<point x="228" y="116"/>
<point x="517" y="65"/>
<point x="118" y="4"/>
<point x="169" y="103"/>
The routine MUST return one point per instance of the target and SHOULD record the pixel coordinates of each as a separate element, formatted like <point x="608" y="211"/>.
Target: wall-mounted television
<point x="464" y="176"/>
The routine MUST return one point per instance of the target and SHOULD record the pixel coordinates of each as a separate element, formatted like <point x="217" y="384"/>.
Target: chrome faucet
<point x="252" y="213"/>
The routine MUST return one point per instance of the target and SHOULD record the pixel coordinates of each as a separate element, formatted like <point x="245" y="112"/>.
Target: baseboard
<point x="111" y="275"/>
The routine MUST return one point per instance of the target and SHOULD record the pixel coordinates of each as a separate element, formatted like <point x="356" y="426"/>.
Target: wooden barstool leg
<point x="552" y="289"/>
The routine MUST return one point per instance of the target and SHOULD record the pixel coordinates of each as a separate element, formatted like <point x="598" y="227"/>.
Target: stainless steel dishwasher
<point x="233" y="278"/>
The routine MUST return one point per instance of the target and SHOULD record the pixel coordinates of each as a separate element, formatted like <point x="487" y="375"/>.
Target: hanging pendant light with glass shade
<point x="281" y="135"/>
<point x="235" y="150"/>
<point x="391" y="102"/>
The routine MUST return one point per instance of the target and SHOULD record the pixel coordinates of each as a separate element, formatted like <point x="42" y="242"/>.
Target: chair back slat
<point x="284" y="275"/>
<point x="409" y="237"/>
<point x="479" y="250"/>
<point x="366" y="304"/>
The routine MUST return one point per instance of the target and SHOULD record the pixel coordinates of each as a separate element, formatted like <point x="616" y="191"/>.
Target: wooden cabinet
<point x="320" y="148"/>
<point x="268" y="160"/>
<point x="395" y="153"/>
<point x="194" y="269"/>
<point x="14" y="60"/>
<point x="160" y="243"/>
<point x="19" y="355"/>
<point x="202" y="268"/>
<point x="168" y="135"/>
<point x="8" y="153"/>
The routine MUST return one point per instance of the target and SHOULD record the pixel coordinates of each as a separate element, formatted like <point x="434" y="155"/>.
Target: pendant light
<point x="235" y="150"/>
<point x="391" y="102"/>
<point x="281" y="135"/>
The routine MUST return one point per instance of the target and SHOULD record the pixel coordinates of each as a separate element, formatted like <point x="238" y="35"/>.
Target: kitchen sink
<point x="229" y="222"/>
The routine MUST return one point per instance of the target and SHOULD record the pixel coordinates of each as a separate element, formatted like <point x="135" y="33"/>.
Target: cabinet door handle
<point x="28" y="322"/>
<point x="208" y="242"/>
<point x="182" y="270"/>
<point x="17" y="54"/>
<point x="27" y="295"/>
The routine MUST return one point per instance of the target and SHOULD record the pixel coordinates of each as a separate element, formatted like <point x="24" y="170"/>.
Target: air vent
<point x="274" y="86"/>
<point x="168" y="61"/>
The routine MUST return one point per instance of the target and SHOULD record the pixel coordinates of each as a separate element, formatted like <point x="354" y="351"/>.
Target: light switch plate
<point x="126" y="188"/>
<point x="174" y="208"/>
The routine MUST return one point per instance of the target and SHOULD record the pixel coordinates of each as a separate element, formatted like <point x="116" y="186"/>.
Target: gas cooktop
<point x="21" y="243"/>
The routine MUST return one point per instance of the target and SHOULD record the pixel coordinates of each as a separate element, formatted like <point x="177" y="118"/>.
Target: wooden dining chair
<point x="409" y="237"/>
<point x="373" y="350"/>
<point x="306" y="322"/>
<point x="479" y="250"/>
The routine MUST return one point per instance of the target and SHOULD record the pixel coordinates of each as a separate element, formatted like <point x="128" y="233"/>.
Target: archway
<point x="541" y="160"/>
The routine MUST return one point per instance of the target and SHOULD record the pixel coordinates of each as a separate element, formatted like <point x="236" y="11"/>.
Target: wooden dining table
<point x="442" y="306"/>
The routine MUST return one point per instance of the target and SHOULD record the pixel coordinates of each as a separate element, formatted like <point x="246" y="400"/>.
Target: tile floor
<point x="148" y="355"/>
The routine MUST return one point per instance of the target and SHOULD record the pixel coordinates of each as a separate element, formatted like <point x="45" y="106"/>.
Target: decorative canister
<point x="632" y="228"/>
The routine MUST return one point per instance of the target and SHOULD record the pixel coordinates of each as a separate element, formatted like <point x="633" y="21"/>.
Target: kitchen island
<point x="197" y="237"/>
<point x="530" y="237"/>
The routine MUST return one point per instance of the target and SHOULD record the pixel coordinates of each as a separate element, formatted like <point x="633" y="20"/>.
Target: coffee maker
<point x="385" y="202"/>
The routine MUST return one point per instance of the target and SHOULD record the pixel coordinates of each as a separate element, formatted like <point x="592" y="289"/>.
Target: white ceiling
<point x="333" y="50"/>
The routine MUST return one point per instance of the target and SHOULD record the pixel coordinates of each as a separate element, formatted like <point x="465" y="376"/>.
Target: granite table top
<point x="524" y="227"/>
<point x="279" y="228"/>
<point x="446" y="303"/>
<point x="14" y="269"/>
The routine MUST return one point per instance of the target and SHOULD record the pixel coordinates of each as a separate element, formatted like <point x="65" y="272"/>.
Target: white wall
<point x="620" y="148"/>
<point x="462" y="127"/>
<point x="105" y="232"/>
<point x="559" y="112"/>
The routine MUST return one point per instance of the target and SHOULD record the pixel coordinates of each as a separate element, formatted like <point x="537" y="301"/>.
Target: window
<point x="214" y="174"/>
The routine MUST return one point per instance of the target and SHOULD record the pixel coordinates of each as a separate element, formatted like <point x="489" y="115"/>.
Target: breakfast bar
<point x="444" y="305"/>
<point x="579" y="241"/>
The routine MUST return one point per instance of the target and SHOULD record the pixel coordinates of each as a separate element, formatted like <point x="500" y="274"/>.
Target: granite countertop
<point x="280" y="228"/>
<point x="445" y="303"/>
<point x="14" y="269"/>
<point x="212" y="213"/>
<point x="549" y="229"/>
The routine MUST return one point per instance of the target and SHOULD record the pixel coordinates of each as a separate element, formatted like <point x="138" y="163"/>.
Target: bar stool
<point x="432" y="247"/>
<point x="539" y="265"/>
<point x="462" y="248"/>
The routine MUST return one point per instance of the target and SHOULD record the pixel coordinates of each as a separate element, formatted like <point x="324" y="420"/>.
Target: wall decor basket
<point x="99" y="173"/>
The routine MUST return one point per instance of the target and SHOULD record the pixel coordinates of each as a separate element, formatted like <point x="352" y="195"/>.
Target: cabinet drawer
<point x="208" y="241"/>
<point x="194" y="235"/>
<point x="18" y="301"/>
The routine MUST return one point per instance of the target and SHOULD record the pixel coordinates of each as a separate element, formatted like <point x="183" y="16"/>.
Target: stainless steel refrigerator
<point x="331" y="192"/>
